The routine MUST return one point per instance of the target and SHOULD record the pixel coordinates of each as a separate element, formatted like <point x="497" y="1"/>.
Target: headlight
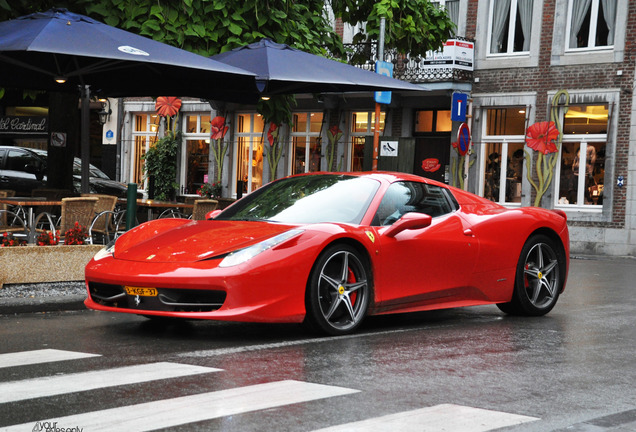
<point x="242" y="255"/>
<point x="109" y="250"/>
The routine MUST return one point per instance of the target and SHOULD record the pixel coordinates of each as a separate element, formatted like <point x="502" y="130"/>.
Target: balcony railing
<point x="415" y="69"/>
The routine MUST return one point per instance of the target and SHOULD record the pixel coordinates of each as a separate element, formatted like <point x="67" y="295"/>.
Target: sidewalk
<point x="42" y="297"/>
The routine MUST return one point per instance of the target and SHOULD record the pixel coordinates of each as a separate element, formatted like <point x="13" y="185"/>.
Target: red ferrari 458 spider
<point x="327" y="249"/>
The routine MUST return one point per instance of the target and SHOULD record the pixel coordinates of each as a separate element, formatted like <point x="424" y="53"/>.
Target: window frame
<point x="583" y="140"/>
<point x="512" y="25"/>
<point x="591" y="39"/>
<point x="307" y="134"/>
<point x="255" y="138"/>
<point x="504" y="141"/>
<point x="150" y="135"/>
<point x="197" y="135"/>
<point x="360" y="135"/>
<point x="563" y="56"/>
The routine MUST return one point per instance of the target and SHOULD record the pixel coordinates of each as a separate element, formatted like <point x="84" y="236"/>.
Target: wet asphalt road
<point x="572" y="370"/>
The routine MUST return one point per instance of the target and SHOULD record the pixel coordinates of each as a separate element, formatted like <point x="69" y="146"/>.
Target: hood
<point x="193" y="241"/>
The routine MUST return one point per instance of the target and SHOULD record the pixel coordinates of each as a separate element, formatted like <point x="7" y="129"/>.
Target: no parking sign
<point x="463" y="139"/>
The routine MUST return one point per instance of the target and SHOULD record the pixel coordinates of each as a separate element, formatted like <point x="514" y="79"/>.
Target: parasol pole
<point x="84" y="137"/>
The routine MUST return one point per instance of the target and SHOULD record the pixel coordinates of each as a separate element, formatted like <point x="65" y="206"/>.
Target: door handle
<point x="468" y="232"/>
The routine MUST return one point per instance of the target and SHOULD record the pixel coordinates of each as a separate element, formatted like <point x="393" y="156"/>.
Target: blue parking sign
<point x="458" y="107"/>
<point x="386" y="69"/>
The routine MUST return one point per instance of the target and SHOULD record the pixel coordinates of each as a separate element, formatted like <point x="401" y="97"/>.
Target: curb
<point x="11" y="306"/>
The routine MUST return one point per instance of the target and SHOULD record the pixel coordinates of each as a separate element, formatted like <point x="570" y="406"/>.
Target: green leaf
<point x="150" y="26"/>
<point x="235" y="29"/>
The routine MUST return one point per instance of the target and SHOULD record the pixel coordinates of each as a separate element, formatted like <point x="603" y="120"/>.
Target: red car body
<point x="468" y="256"/>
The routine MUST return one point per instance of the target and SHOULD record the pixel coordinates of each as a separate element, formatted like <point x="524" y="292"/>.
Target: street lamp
<point x="104" y="114"/>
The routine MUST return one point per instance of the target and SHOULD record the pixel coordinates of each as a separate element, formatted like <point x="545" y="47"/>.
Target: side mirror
<point x="409" y="221"/>
<point x="212" y="214"/>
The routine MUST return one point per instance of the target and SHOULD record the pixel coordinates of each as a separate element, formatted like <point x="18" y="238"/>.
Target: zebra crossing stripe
<point x="61" y="384"/>
<point x="25" y="358"/>
<point x="446" y="417"/>
<point x="189" y="409"/>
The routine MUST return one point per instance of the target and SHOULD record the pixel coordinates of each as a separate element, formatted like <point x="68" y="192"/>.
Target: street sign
<point x="386" y="69"/>
<point x="458" y="107"/>
<point x="463" y="139"/>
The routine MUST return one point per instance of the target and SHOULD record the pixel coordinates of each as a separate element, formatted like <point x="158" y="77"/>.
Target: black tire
<point x="338" y="291"/>
<point x="538" y="280"/>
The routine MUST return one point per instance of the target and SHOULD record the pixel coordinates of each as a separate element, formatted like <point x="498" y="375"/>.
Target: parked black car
<point x="24" y="169"/>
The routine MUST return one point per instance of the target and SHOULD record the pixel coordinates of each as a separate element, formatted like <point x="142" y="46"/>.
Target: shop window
<point x="144" y="134"/>
<point x="581" y="172"/>
<point x="504" y="171"/>
<point x="506" y="121"/>
<point x="503" y="154"/>
<point x="195" y="161"/>
<point x="510" y="25"/>
<point x="581" y="180"/>
<point x="249" y="133"/>
<point x="433" y="121"/>
<point x="591" y="23"/>
<point x="306" y="142"/>
<point x="362" y="125"/>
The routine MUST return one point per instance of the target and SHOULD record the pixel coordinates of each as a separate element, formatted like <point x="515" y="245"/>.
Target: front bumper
<point x="269" y="292"/>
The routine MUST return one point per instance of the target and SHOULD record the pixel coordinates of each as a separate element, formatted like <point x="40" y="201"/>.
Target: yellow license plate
<point x="141" y="291"/>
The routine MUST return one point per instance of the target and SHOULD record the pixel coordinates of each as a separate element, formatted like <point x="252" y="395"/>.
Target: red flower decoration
<point x="335" y="130"/>
<point x="218" y="127"/>
<point x="272" y="133"/>
<point x="167" y="106"/>
<point x="542" y="137"/>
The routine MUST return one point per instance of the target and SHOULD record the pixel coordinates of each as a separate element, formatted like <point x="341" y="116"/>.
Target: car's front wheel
<point x="538" y="280"/>
<point x="338" y="291"/>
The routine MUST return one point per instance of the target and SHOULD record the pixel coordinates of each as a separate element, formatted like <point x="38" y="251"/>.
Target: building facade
<point x="567" y="62"/>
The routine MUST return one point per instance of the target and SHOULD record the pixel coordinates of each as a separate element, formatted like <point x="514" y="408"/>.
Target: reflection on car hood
<point x="194" y="241"/>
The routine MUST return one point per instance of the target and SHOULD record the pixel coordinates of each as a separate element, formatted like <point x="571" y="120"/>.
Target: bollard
<point x="131" y="205"/>
<point x="239" y="189"/>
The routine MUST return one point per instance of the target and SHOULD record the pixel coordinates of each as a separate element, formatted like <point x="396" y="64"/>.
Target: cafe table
<point x="156" y="205"/>
<point x="29" y="204"/>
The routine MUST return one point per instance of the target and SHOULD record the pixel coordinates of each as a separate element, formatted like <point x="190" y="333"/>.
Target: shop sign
<point x="431" y="165"/>
<point x="456" y="54"/>
<point x="389" y="148"/>
<point x="31" y="125"/>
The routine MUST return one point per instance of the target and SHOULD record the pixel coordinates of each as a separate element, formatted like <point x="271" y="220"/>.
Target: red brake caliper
<point x="351" y="278"/>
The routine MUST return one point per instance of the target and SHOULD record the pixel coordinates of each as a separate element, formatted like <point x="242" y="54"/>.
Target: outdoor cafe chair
<point x="74" y="209"/>
<point x="103" y="224"/>
<point x="202" y="207"/>
<point x="51" y="194"/>
<point x="11" y="222"/>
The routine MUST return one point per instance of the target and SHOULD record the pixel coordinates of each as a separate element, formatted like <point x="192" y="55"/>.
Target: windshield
<point x="307" y="199"/>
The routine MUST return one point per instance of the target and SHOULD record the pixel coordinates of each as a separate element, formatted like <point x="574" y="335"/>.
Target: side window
<point x="17" y="160"/>
<point x="404" y="197"/>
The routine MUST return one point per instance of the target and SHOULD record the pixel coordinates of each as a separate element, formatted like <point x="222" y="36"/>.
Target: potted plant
<point x="160" y="159"/>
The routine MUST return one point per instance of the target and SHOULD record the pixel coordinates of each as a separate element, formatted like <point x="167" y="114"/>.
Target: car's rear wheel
<point x="538" y="279"/>
<point x="338" y="291"/>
